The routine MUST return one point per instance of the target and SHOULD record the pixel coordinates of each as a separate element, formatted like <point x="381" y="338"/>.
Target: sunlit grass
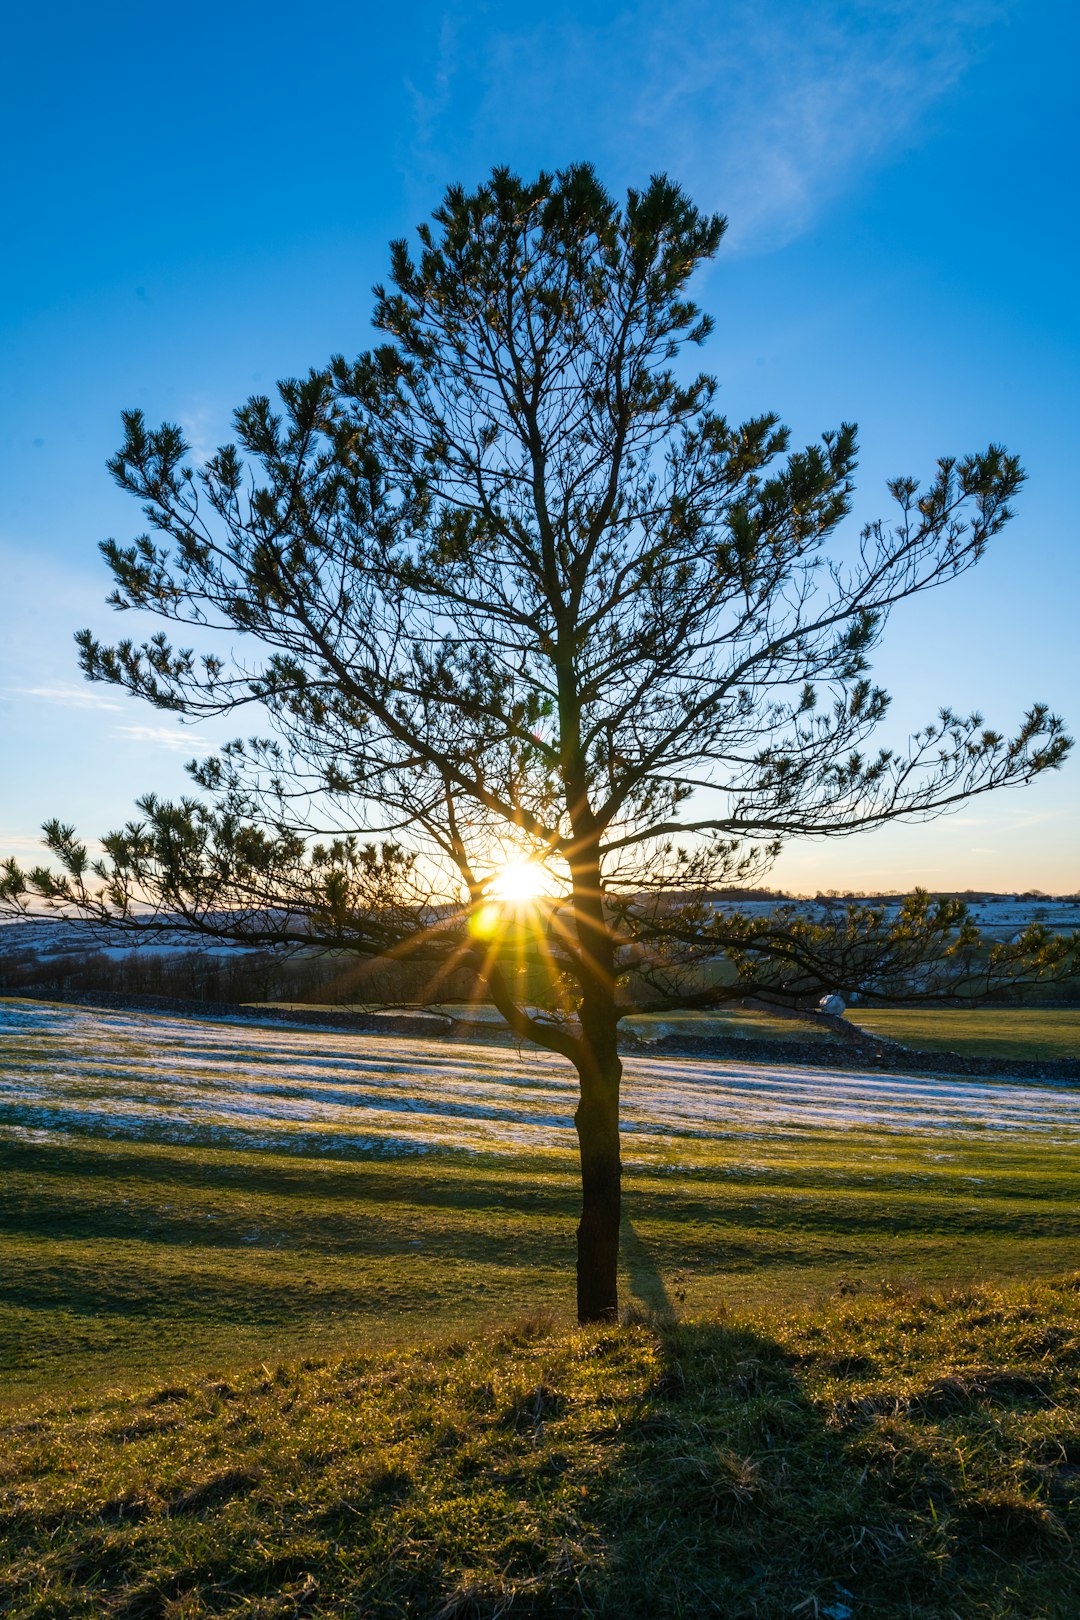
<point x="895" y="1454"/>
<point x="120" y="1257"/>
<point x="1016" y="1032"/>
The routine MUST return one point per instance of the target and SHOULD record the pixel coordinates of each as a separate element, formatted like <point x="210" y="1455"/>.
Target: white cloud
<point x="1034" y="818"/>
<point x="204" y="429"/>
<point x="174" y="737"/>
<point x="68" y="695"/>
<point x="21" y="844"/>
<point x="767" y="113"/>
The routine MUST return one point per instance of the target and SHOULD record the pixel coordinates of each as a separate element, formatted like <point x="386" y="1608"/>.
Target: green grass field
<point x="175" y="1190"/>
<point x="125" y="1258"/>
<point x="1007" y="1032"/>
<point x="907" y="1457"/>
<point x="1016" y="1032"/>
<point x="253" y="1365"/>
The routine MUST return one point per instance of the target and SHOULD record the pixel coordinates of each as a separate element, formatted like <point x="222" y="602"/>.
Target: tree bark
<point x="597" y="1123"/>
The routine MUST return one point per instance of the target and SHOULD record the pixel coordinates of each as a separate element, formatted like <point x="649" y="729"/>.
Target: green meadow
<point x="126" y="1258"/>
<point x="176" y="1193"/>
<point x="285" y="1328"/>
<point x="1004" y="1032"/>
<point x="906" y="1454"/>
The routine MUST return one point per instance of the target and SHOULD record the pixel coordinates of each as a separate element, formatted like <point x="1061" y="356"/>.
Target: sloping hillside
<point x="906" y="1455"/>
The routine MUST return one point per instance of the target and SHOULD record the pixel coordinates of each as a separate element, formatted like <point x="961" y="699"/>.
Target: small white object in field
<point x="833" y="1004"/>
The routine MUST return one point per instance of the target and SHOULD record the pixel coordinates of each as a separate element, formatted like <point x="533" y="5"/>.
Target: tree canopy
<point x="511" y="586"/>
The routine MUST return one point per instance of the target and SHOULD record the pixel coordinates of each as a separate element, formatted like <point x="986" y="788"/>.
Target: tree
<point x="509" y="585"/>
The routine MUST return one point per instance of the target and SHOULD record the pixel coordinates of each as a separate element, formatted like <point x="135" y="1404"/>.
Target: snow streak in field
<point x="73" y="1069"/>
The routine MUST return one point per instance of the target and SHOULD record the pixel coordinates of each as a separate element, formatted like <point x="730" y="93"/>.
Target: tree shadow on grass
<point x="647" y="1285"/>
<point x="658" y="1471"/>
<point x="729" y="1495"/>
<point x="734" y="1493"/>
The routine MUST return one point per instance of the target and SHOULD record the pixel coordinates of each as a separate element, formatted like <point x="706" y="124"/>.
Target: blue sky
<point x="197" y="203"/>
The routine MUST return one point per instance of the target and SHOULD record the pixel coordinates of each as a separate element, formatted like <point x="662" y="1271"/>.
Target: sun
<point x="511" y="890"/>
<point x="518" y="882"/>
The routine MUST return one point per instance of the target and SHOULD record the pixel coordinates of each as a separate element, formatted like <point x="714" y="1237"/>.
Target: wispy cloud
<point x="781" y="108"/>
<point x="172" y="737"/>
<point x="21" y="844"/>
<point x="1034" y="818"/>
<point x="68" y="695"/>
<point x="765" y="112"/>
<point x="204" y="428"/>
<point x="32" y="844"/>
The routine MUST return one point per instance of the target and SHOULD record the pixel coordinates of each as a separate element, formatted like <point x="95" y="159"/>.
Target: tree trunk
<point x="599" y="1070"/>
<point x="597" y="1122"/>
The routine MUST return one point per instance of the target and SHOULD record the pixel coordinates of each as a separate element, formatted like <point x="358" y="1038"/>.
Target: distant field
<point x="731" y="1021"/>
<point x="736" y="1022"/>
<point x="1017" y="1032"/>
<point x="1010" y="1032"/>
<point x="177" y="1192"/>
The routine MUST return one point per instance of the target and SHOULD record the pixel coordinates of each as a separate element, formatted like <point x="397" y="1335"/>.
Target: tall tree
<point x="510" y="585"/>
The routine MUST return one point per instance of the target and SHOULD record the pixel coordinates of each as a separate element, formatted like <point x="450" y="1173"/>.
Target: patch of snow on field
<point x="144" y="1075"/>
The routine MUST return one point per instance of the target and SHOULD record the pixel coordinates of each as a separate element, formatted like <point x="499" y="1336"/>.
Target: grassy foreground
<point x="849" y="1383"/>
<point x="903" y="1454"/>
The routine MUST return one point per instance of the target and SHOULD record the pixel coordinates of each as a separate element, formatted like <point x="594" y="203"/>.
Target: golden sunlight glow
<point x="484" y="922"/>
<point x="509" y="891"/>
<point x="517" y="882"/>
